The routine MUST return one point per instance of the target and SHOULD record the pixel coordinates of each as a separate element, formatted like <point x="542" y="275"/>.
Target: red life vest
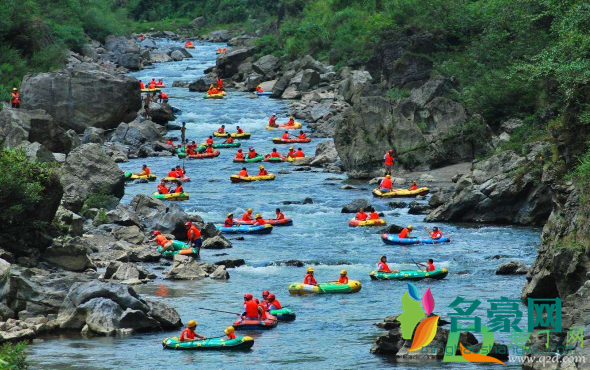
<point x="251" y="309"/>
<point x="361" y="216"/>
<point x="343" y="280"/>
<point x="430" y="267"/>
<point x="404" y="233"/>
<point x="195" y="230"/>
<point x="436" y="234"/>
<point x="246" y="217"/>
<point x="187" y="334"/>
<point x="274" y="305"/>
<point x="374" y="216"/>
<point x="275" y="155"/>
<point x="299" y="154"/>
<point x="309" y="279"/>
<point x="388" y="159"/>
<point x="243" y="173"/>
<point x="386" y="183"/>
<point x="382" y="266"/>
<point x="252" y="154"/>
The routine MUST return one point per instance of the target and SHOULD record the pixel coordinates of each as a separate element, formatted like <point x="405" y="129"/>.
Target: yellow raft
<point x="150" y="90"/>
<point x="294" y="159"/>
<point x="400" y="193"/>
<point x="244" y="135"/>
<point x="297" y="125"/>
<point x="236" y="178"/>
<point x="140" y="177"/>
<point x="171" y="196"/>
<point x="354" y="222"/>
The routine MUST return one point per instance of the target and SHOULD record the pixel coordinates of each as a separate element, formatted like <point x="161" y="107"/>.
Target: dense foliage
<point x="13" y="357"/>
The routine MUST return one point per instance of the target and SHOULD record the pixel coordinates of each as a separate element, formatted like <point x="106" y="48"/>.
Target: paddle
<point x="209" y="309"/>
<point x="419" y="267"/>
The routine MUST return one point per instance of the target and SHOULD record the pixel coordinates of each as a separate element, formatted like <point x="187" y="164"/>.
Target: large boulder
<point x="177" y="55"/>
<point x="218" y="36"/>
<point x="309" y="80"/>
<point x="198" y="23"/>
<point x="282" y="84"/>
<point x="121" y="45"/>
<point x="161" y="113"/>
<point x="37" y="152"/>
<point x="266" y="65"/>
<point x="126" y="271"/>
<point x="82" y="96"/>
<point x="512" y="268"/>
<point x="353" y="84"/>
<point x="228" y="63"/>
<point x="186" y="268"/>
<point x="216" y="242"/>
<point x="147" y="207"/>
<point x="18" y="125"/>
<point x="171" y="221"/>
<point x="122" y="215"/>
<point x="253" y="80"/>
<point x="325" y="153"/>
<point x="202" y="83"/>
<point x="356" y="205"/>
<point x="130" y="61"/>
<point x="69" y="253"/>
<point x="130" y="234"/>
<point x="89" y="170"/>
<point x="137" y="133"/>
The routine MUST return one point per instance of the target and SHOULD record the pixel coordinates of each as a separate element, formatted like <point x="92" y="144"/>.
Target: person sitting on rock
<point x="414" y="186"/>
<point x="291" y="153"/>
<point x="178" y="188"/>
<point x="435" y="233"/>
<point x="343" y="277"/>
<point x="259" y="220"/>
<point x="172" y="173"/>
<point x="405" y="233"/>
<point x="374" y="215"/>
<point x="239" y="130"/>
<point x="272" y="303"/>
<point x="259" y="89"/>
<point x="251" y="309"/>
<point x="229" y="221"/>
<point x="252" y="153"/>
<point x="361" y="215"/>
<point x="286" y="136"/>
<point x="229" y="331"/>
<point x="291" y="121"/>
<point x="162" y="189"/>
<point x="386" y="184"/>
<point x="299" y="153"/>
<point x="262" y="172"/>
<point x="247" y="216"/>
<point x="221" y="130"/>
<point x="272" y="121"/>
<point x="280" y="215"/>
<point x="162" y="241"/>
<point x="309" y="279"/>
<point x="239" y="154"/>
<point x="230" y="139"/>
<point x="302" y="135"/>
<point x="189" y="334"/>
<point x="163" y="97"/>
<point x="429" y="265"/>
<point x="243" y="172"/>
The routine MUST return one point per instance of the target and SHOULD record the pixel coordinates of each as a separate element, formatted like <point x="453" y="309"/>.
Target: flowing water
<point x="331" y="331"/>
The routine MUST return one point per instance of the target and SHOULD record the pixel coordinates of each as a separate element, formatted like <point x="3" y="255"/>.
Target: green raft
<point x="202" y="148"/>
<point x="129" y="176"/>
<point x="353" y="286"/>
<point x="180" y="152"/>
<point x="284" y="314"/>
<point x="255" y="159"/>
<point x="437" y="274"/>
<point x="179" y="247"/>
<point x="240" y="343"/>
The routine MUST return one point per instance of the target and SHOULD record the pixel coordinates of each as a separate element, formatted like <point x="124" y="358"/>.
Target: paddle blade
<point x="425" y="333"/>
<point x="428" y="302"/>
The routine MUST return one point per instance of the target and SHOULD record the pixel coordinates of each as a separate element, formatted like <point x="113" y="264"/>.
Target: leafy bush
<point x="100" y="200"/>
<point x="13" y="357"/>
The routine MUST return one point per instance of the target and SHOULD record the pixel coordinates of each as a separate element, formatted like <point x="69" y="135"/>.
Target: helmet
<point x="382" y="257"/>
<point x="271" y="297"/>
<point x="156" y="232"/>
<point x="239" y="150"/>
<point x="249" y="210"/>
<point x="310" y="269"/>
<point x="261" y="167"/>
<point x="257" y="215"/>
<point x="413" y="182"/>
<point x="388" y="176"/>
<point x="192" y="323"/>
<point x="291" y="148"/>
<point x="265" y="293"/>
<point x="410" y="227"/>
<point x="229" y="330"/>
<point x="256" y="300"/>
<point x="248" y="296"/>
<point x="229" y="215"/>
<point x="274" y="114"/>
<point x="343" y="272"/>
<point x="188" y="223"/>
<point x="14" y="89"/>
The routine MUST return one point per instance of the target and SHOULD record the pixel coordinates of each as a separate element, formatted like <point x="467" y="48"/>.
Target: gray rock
<point x="418" y="208"/>
<point x="148" y="43"/>
<point x="282" y="84"/>
<point x="309" y="80"/>
<point x="171" y="221"/>
<point x="512" y="268"/>
<point x="176" y="55"/>
<point x="186" y="268"/>
<point x="231" y="263"/>
<point x="291" y="92"/>
<point x="218" y="36"/>
<point x="164" y="314"/>
<point x="69" y="253"/>
<point x="354" y="84"/>
<point x="253" y="80"/>
<point x="511" y="125"/>
<point x="220" y="273"/>
<point x="123" y="216"/>
<point x="161" y="113"/>
<point x="126" y="271"/>
<point x="93" y="135"/>
<point x="356" y="205"/>
<point x="227" y="63"/>
<point x="121" y="45"/>
<point x="89" y="170"/>
<point x="37" y="152"/>
<point x="137" y="133"/>
<point x="130" y="234"/>
<point x="216" y="242"/>
<point x="202" y="83"/>
<point x="159" y="57"/>
<point x="140" y="253"/>
<point x="307" y="62"/>
<point x="397" y="204"/>
<point x="147" y="207"/>
<point x="131" y="61"/>
<point x="198" y="23"/>
<point x="325" y="153"/>
<point x="82" y="97"/>
<point x="266" y="66"/>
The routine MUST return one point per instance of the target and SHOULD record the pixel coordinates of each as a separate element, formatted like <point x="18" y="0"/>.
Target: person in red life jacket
<point x="259" y="89"/>
<point x="291" y="121"/>
<point x="251" y="308"/>
<point x="219" y="83"/>
<point x="172" y="172"/>
<point x="405" y="233"/>
<point x="15" y="98"/>
<point x="386" y="184"/>
<point x="209" y="149"/>
<point x="142" y="37"/>
<point x="163" y="97"/>
<point x="299" y="153"/>
<point x="280" y="215"/>
<point x="302" y="135"/>
<point x="275" y="154"/>
<point x="272" y="121"/>
<point x="193" y="235"/>
<point x="382" y="265"/>
<point x="209" y="140"/>
<point x="291" y="153"/>
<point x="435" y="233"/>
<point x="141" y="85"/>
<point x="343" y="278"/>
<point x="153" y="83"/>
<point x="265" y="294"/>
<point x="230" y="139"/>
<point x="169" y="142"/>
<point x="262" y="309"/>
<point x="229" y="221"/>
<point x="145" y="171"/>
<point x="178" y="188"/>
<point x="286" y="136"/>
<point x="429" y="265"/>
<point x="374" y="215"/>
<point x="389" y="161"/>
<point x="239" y="154"/>
<point x="247" y="216"/>
<point x="179" y="172"/>
<point x="272" y="303"/>
<point x="309" y="279"/>
<point x="361" y="215"/>
<point x="162" y="241"/>
<point x="239" y="130"/>
<point x="213" y="90"/>
<point x="229" y="331"/>
<point x="243" y="173"/>
<point x="252" y="153"/>
<point x="188" y="44"/>
<point x="189" y="334"/>
<point x="190" y="149"/>
<point x="262" y="172"/>
<point x="259" y="220"/>
<point x="221" y="130"/>
<point x="160" y="83"/>
<point x="162" y="189"/>
<point x="414" y="186"/>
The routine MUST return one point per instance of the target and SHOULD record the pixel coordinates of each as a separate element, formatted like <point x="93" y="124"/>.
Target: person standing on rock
<point x="163" y="97"/>
<point x="182" y="132"/>
<point x="389" y="161"/>
<point x="15" y="98"/>
<point x="194" y="236"/>
<point x="146" y="107"/>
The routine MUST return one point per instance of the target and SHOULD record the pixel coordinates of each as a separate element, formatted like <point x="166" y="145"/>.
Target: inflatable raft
<point x="202" y="147"/>
<point x="179" y="248"/>
<point x="184" y="178"/>
<point x="264" y="93"/>
<point x="400" y="193"/>
<point x="242" y="136"/>
<point x="294" y="159"/>
<point x="396" y="240"/>
<point x="171" y="196"/>
<point x="258" y="158"/>
<point x="283" y="222"/>
<point x="240" y="343"/>
<point x="204" y="155"/>
<point x="275" y="159"/>
<point x="354" y="222"/>
<point x="353" y="286"/>
<point x="245" y="229"/>
<point x="284" y="314"/>
<point x="150" y="90"/>
<point x="245" y="324"/>
<point x="236" y="178"/>
<point x="278" y="140"/>
<point x="130" y="177"/>
<point x="296" y="126"/>
<point x="215" y="96"/>
<point x="410" y="275"/>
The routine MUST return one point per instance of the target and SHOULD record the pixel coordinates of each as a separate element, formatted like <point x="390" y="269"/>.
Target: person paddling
<point x="189" y="334"/>
<point x="229" y="221"/>
<point x="243" y="172"/>
<point x="263" y="171"/>
<point x="275" y="153"/>
<point x="429" y="265"/>
<point x="286" y="136"/>
<point x="343" y="277"/>
<point x="230" y="140"/>
<point x="302" y="135"/>
<point x="435" y="233"/>
<point x="221" y="130"/>
<point x="272" y="121"/>
<point x="309" y="279"/>
<point x="145" y="171"/>
<point x="247" y="216"/>
<point x="252" y="153"/>
<point x="178" y="189"/>
<point x="291" y="122"/>
<point x="239" y="130"/>
<point x="229" y="331"/>
<point x="405" y="233"/>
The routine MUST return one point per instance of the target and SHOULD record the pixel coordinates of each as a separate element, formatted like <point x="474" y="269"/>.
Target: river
<point x="330" y="331"/>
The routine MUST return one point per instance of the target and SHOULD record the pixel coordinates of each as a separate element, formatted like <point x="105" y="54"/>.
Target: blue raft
<point x="245" y="229"/>
<point x="265" y="93"/>
<point x="395" y="240"/>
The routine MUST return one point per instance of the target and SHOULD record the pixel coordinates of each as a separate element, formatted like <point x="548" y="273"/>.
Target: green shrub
<point x="13" y="357"/>
<point x="268" y="44"/>
<point x="100" y="200"/>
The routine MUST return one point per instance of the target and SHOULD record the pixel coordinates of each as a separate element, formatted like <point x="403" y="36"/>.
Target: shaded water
<point x="330" y="331"/>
